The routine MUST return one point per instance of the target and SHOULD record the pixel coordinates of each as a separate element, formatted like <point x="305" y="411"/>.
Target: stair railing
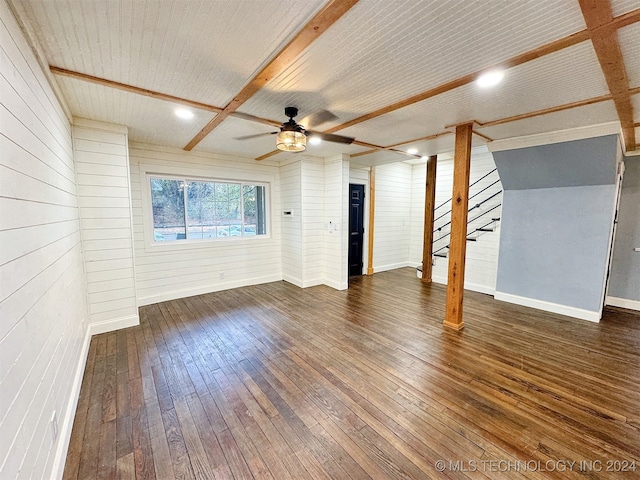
<point x="478" y="205"/>
<point x="471" y="185"/>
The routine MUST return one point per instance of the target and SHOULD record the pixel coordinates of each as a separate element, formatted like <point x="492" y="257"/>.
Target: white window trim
<point x="151" y="171"/>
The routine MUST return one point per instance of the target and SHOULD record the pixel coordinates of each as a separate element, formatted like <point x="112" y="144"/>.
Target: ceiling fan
<point x="292" y="136"/>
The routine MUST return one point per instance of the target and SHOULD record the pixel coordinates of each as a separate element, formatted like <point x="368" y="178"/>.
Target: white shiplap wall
<point x="178" y="270"/>
<point x="482" y="255"/>
<point x="43" y="312"/>
<point x="313" y="189"/>
<point x="312" y="221"/>
<point x="102" y="170"/>
<point x="291" y="195"/>
<point x="336" y="221"/>
<point x="392" y="220"/>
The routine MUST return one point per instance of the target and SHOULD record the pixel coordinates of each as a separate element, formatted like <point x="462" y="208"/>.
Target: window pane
<point x="167" y="199"/>
<point x="254" y="210"/>
<point x="213" y="209"/>
<point x="200" y="210"/>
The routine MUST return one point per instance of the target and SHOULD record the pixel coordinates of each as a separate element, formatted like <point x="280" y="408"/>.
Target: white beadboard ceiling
<point x="635" y="100"/>
<point x="378" y="53"/>
<point x="620" y="7"/>
<point x="384" y="51"/>
<point x="629" y="38"/>
<point x="597" y="113"/>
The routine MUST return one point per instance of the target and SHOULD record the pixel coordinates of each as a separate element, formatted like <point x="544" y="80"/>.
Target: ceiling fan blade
<point x="332" y="137"/>
<point x="316" y="119"/>
<point x="255" y="135"/>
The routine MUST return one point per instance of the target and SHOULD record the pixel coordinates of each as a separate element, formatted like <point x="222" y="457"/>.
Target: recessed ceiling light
<point x="184" y="113"/>
<point x="490" y="78"/>
<point x="315" y="140"/>
<point x="412" y="151"/>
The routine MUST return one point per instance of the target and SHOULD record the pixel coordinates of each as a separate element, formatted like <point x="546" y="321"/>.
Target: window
<point x="209" y="209"/>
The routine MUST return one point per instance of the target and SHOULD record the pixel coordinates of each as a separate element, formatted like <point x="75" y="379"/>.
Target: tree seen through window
<point x="213" y="209"/>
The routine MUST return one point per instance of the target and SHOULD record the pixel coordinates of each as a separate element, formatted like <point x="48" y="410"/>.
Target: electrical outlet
<point x="54" y="426"/>
<point x="221" y="275"/>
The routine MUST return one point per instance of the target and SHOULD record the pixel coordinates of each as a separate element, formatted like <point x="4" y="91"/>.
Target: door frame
<point x="612" y="236"/>
<point x="365" y="223"/>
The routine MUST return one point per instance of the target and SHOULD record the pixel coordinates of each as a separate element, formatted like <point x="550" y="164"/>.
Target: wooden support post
<point x="429" y="205"/>
<point x="459" y="215"/>
<point x="372" y="210"/>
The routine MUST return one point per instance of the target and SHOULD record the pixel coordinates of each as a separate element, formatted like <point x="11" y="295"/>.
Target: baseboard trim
<point x="190" y="292"/>
<point x="115" y="324"/>
<point x="293" y="280"/>
<point x="392" y="266"/>
<point x="336" y="285"/>
<point x="66" y="426"/>
<point x="474" y="287"/>
<point x="580" y="313"/>
<point x="623" y="303"/>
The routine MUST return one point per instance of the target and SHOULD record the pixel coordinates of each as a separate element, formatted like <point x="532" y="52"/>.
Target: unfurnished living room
<point x="319" y="239"/>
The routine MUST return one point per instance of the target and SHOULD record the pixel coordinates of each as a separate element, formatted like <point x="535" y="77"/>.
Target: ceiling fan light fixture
<point x="291" y="141"/>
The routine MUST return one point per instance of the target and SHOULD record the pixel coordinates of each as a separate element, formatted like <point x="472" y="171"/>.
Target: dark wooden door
<point x="356" y="228"/>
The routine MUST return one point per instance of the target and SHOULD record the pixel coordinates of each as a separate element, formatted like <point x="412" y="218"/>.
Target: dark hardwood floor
<point x="277" y="382"/>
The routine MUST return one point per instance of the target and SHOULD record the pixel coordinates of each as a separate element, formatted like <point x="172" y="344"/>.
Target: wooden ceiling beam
<point x="565" y="42"/>
<point x="603" y="27"/>
<point x="395" y="145"/>
<point x="483" y="136"/>
<point x="157" y="95"/>
<point x="131" y="89"/>
<point x="547" y="49"/>
<point x="319" y="24"/>
<point x="599" y="17"/>
<point x="545" y="111"/>
<point x="624" y="20"/>
<point x="500" y="121"/>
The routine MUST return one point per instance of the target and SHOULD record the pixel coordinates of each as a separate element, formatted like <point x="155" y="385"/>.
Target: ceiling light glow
<point x="314" y="140"/>
<point x="184" y="113"/>
<point x="490" y="78"/>
<point x="412" y="151"/>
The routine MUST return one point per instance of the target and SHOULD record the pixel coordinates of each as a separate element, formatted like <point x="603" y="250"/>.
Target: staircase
<point x="485" y="199"/>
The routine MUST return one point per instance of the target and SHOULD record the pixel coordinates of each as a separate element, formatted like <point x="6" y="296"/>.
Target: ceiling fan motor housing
<point x="291" y="112"/>
<point x="291" y="125"/>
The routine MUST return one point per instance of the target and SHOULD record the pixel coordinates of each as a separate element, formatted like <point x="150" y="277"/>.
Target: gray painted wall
<point x="625" y="267"/>
<point x="554" y="244"/>
<point x="556" y="221"/>
<point x="591" y="161"/>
